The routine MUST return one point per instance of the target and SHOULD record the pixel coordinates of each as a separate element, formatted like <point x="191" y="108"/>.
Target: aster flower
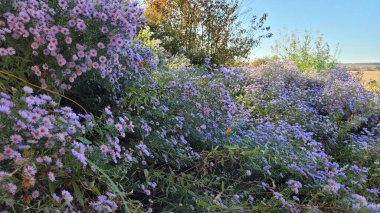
<point x="16" y="139"/>
<point x="56" y="198"/>
<point x="29" y="171"/>
<point x="104" y="148"/>
<point x="5" y="109"/>
<point x="67" y="196"/>
<point x="71" y="130"/>
<point x="27" y="89"/>
<point x="80" y="156"/>
<point x="294" y="185"/>
<point x="51" y="176"/>
<point x="10" y="187"/>
<point x="35" y="194"/>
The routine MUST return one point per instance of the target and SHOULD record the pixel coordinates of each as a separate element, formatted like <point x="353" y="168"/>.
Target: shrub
<point x="54" y="42"/>
<point x="309" y="53"/>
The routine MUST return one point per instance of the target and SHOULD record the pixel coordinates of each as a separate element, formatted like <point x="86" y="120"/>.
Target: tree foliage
<point x="205" y="28"/>
<point x="307" y="52"/>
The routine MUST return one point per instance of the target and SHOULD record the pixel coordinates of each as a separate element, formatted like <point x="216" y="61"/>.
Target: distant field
<point x="370" y="75"/>
<point x="362" y="66"/>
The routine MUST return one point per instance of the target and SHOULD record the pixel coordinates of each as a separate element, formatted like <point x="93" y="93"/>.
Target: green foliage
<point x="308" y="52"/>
<point x="200" y="29"/>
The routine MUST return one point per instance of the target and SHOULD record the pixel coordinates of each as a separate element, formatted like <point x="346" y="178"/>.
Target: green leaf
<point x="84" y="140"/>
<point x="202" y="204"/>
<point x="78" y="193"/>
<point x="52" y="187"/>
<point x="146" y="174"/>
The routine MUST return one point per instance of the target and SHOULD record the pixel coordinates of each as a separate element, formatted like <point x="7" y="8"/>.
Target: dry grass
<point x="369" y="76"/>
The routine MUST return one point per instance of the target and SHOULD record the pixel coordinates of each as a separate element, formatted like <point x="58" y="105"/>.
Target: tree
<point x="309" y="53"/>
<point x="205" y="28"/>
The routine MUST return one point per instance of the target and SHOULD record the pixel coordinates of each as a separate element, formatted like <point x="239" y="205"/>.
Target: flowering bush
<point x="173" y="137"/>
<point x="37" y="149"/>
<point x="61" y="40"/>
<point x="323" y="104"/>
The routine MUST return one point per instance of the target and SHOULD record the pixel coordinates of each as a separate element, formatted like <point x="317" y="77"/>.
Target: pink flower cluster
<point x="98" y="35"/>
<point x="7" y="51"/>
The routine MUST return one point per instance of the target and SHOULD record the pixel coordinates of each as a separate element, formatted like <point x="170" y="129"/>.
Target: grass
<point x="369" y="75"/>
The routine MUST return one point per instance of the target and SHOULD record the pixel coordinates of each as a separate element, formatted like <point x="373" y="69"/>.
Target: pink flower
<point x="120" y="42"/>
<point x="3" y="52"/>
<point x="36" y="70"/>
<point x="43" y="131"/>
<point x="24" y="17"/>
<point x="45" y="66"/>
<point x="16" y="139"/>
<point x="55" y="29"/>
<point x="81" y="54"/>
<point x="104" y="148"/>
<point x="62" y="4"/>
<point x="52" y="46"/>
<point x="62" y="151"/>
<point x="104" y="29"/>
<point x="68" y="40"/>
<point x="102" y="59"/>
<point x="101" y="45"/>
<point x="93" y="53"/>
<point x="72" y="23"/>
<point x="34" y="45"/>
<point x="81" y="26"/>
<point x="95" y="65"/>
<point x="65" y="31"/>
<point x="62" y="62"/>
<point x="39" y="160"/>
<point x="11" y="51"/>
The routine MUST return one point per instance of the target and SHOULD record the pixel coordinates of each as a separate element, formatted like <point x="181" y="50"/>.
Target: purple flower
<point x="67" y="196"/>
<point x="5" y="109"/>
<point x="51" y="176"/>
<point x="71" y="130"/>
<point x="27" y="89"/>
<point x="56" y="198"/>
<point x="80" y="156"/>
<point x="294" y="185"/>
<point x="35" y="194"/>
<point x="10" y="187"/>
<point x="29" y="171"/>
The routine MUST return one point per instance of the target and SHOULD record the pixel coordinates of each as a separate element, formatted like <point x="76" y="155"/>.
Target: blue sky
<point x="353" y="24"/>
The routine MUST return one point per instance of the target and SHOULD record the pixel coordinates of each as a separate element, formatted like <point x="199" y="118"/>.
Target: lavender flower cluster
<point x="37" y="136"/>
<point x="302" y="121"/>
